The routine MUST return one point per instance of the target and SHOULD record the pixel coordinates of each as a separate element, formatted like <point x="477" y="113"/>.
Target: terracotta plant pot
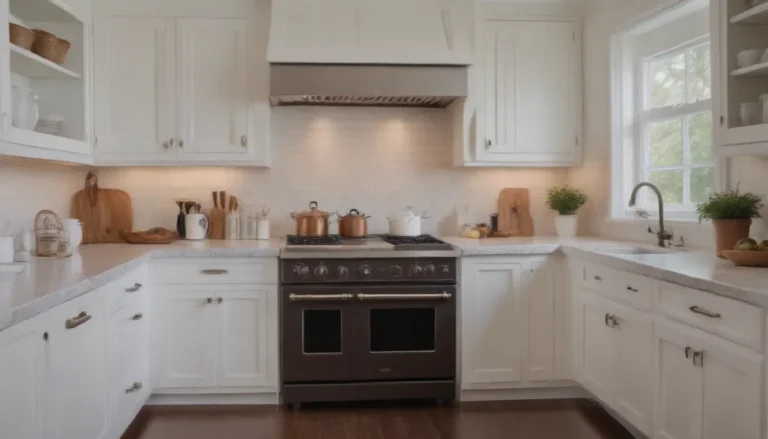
<point x="728" y="232"/>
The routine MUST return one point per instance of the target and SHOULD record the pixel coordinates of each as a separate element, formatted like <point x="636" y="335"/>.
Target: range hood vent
<point x="367" y="85"/>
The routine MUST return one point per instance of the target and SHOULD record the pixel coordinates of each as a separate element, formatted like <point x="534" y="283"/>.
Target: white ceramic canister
<point x="262" y="229"/>
<point x="74" y="228"/>
<point x="196" y="226"/>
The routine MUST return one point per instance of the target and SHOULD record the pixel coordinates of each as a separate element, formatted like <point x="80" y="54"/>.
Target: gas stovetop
<point x="372" y="242"/>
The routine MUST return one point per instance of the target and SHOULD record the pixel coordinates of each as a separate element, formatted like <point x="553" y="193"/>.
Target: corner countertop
<point x="46" y="283"/>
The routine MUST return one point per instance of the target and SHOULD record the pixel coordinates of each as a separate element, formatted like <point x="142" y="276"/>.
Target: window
<point x="662" y="112"/>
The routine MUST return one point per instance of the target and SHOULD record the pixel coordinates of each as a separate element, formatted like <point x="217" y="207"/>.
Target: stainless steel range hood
<point x="368" y="85"/>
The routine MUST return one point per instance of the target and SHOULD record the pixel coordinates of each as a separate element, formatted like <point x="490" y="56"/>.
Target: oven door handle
<point x="438" y="296"/>
<point x="320" y="297"/>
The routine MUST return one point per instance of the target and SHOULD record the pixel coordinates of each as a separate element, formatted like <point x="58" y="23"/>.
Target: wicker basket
<point x="21" y="36"/>
<point x="49" y="47"/>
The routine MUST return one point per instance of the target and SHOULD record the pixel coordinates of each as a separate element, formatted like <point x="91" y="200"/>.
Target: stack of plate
<point x="50" y="125"/>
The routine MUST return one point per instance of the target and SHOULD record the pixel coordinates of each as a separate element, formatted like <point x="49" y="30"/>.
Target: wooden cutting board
<point x="515" y="212"/>
<point x="103" y="212"/>
<point x="217" y="218"/>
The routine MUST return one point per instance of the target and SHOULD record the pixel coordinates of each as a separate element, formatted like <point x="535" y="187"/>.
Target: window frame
<point x="645" y="116"/>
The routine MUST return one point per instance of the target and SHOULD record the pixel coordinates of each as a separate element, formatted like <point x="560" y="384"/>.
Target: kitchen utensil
<point x="515" y="212"/>
<point x="180" y="219"/>
<point x="74" y="228"/>
<point x="21" y="36"/>
<point x="156" y="235"/>
<point x="312" y="222"/>
<point x="103" y="212"/>
<point x="747" y="58"/>
<point x="25" y="108"/>
<point x="747" y="258"/>
<point x="748" y="112"/>
<point x="233" y="220"/>
<point x="218" y="216"/>
<point x="7" y="249"/>
<point x="196" y="225"/>
<point x="353" y="224"/>
<point x="406" y="223"/>
<point x="51" y="240"/>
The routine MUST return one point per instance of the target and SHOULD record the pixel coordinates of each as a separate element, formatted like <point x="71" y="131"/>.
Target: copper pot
<point x="312" y="222"/>
<point x="354" y="225"/>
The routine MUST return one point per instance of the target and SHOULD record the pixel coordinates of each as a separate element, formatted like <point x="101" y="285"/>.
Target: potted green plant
<point x="566" y="201"/>
<point x="731" y="212"/>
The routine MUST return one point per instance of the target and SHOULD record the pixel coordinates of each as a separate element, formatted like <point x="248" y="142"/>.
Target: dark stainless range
<point x="367" y="320"/>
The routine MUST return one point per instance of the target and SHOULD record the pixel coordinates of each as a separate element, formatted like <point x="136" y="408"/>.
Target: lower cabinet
<point x="706" y="387"/>
<point x="216" y="336"/>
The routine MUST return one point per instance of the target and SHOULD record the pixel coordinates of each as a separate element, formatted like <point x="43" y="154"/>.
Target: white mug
<point x="196" y="225"/>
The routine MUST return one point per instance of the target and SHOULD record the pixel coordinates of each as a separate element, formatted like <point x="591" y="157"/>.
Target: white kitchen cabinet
<point x="539" y="283"/>
<point x="199" y="96"/>
<point x="706" y="387"/>
<point x="187" y="342"/>
<point x="22" y="379"/>
<point x="598" y="347"/>
<point x="216" y="337"/>
<point x="135" y="89"/>
<point x="77" y="369"/>
<point x="529" y="93"/>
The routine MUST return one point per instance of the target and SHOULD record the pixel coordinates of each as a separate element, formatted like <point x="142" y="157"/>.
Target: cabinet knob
<point x="166" y="145"/>
<point x="244" y="141"/>
<point x="181" y="143"/>
<point x="137" y="316"/>
<point x="136" y="386"/>
<point x="136" y="287"/>
<point x="488" y="143"/>
<point x="209" y="300"/>
<point x="219" y="300"/>
<point x="172" y="141"/>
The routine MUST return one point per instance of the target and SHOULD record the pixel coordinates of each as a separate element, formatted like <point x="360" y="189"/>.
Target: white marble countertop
<point x="46" y="283"/>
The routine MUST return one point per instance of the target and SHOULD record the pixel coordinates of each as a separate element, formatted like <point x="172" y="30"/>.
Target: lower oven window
<point x="402" y="330"/>
<point x="322" y="331"/>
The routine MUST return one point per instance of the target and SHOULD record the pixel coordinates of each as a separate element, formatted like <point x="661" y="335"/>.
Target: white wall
<point x="599" y="24"/>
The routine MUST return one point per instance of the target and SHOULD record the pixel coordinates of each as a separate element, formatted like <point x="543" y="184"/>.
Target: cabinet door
<point x="77" y="368"/>
<point x="634" y="367"/>
<point x="213" y="89"/>
<point x="678" y="386"/>
<point x="22" y="371"/>
<point x="732" y="390"/>
<point x="492" y="323"/>
<point x="244" y="326"/>
<point x="540" y="294"/>
<point x="134" y="89"/>
<point x="599" y="353"/>
<point x="532" y="92"/>
<point x="187" y="343"/>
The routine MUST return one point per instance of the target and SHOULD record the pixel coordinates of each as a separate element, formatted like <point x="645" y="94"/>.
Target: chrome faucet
<point x="662" y="234"/>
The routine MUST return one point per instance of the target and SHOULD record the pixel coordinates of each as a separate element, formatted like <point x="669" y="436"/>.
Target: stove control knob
<point x="416" y="270"/>
<point x="301" y="270"/>
<point x="321" y="271"/>
<point x="342" y="271"/>
<point x="395" y="271"/>
<point x="365" y="271"/>
<point x="429" y="269"/>
<point x="444" y="269"/>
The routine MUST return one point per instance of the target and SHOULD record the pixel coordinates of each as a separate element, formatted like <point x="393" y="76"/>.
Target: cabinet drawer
<point x="129" y="339"/>
<point x="216" y="271"/>
<point x="129" y="393"/>
<point x="630" y="288"/>
<point x="128" y="289"/>
<point x="737" y="321"/>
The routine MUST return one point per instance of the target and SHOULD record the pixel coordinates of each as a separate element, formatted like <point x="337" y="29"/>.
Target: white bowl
<point x="747" y="58"/>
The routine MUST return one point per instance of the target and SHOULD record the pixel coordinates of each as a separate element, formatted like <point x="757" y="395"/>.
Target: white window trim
<point x="624" y="124"/>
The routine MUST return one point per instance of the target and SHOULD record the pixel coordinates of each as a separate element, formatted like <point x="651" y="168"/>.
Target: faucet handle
<point x="643" y="214"/>
<point x="680" y="243"/>
<point x="664" y="234"/>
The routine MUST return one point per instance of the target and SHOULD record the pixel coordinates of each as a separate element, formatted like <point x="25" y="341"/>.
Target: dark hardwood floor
<point x="518" y="420"/>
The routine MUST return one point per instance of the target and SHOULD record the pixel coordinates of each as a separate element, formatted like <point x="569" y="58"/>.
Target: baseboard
<point x="570" y="392"/>
<point x="203" y="400"/>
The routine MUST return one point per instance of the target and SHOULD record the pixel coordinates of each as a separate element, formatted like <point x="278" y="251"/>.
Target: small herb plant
<point x="565" y="199"/>
<point x="730" y="204"/>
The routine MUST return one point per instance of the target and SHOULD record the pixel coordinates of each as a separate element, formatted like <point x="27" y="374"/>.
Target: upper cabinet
<point x="741" y="91"/>
<point x="44" y="94"/>
<point x="180" y="91"/>
<point x="527" y="87"/>
<point x="371" y="31"/>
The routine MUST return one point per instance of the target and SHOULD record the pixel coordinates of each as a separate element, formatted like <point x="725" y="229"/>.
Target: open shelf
<point x="755" y="15"/>
<point x="26" y="63"/>
<point x="44" y="10"/>
<point x="46" y="141"/>
<point x="757" y="70"/>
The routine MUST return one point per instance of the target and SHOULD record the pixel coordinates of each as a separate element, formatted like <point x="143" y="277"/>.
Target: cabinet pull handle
<point x="488" y="143"/>
<point x="74" y="322"/>
<point x="181" y="143"/>
<point x="438" y="296"/>
<point x="219" y="300"/>
<point x="598" y="278"/>
<point x="244" y="141"/>
<point x="614" y="322"/>
<point x="700" y="356"/>
<point x="214" y="271"/>
<point x="209" y="300"/>
<point x="688" y="351"/>
<point x="136" y="287"/>
<point x="137" y="316"/>
<point x="172" y="141"/>
<point x="607" y="319"/>
<point x="722" y="120"/>
<point x="135" y="387"/>
<point x="320" y="297"/>
<point x="634" y="290"/>
<point x="704" y="312"/>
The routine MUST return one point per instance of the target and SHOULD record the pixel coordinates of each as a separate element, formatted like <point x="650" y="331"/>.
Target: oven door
<point x="405" y="332"/>
<point x="317" y="335"/>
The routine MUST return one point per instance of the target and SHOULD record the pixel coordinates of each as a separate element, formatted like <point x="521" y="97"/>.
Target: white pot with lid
<point x="406" y="223"/>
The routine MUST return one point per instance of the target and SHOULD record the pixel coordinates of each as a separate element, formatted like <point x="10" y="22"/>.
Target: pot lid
<point x="313" y="211"/>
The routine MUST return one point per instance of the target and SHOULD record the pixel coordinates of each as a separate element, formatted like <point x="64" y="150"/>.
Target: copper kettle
<point x="354" y="225"/>
<point x="312" y="222"/>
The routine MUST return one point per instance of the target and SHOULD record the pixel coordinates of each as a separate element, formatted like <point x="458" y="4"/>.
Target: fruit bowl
<point x="747" y="258"/>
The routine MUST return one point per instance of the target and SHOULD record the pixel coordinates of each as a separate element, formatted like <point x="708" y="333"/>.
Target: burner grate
<point x="423" y="239"/>
<point x="312" y="240"/>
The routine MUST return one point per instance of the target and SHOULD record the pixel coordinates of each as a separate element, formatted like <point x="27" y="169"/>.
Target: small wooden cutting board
<point x="515" y="212"/>
<point x="103" y="212"/>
